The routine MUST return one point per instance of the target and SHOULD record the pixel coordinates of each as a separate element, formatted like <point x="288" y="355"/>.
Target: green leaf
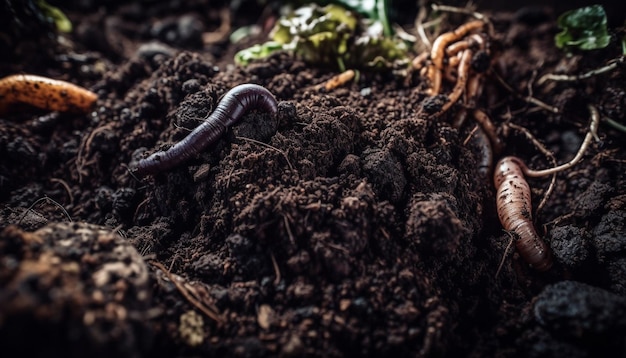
<point x="61" y="21"/>
<point x="256" y="52"/>
<point x="584" y="28"/>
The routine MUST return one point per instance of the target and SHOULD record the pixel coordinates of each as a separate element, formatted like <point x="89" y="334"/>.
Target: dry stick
<point x="598" y="71"/>
<point x="270" y="147"/>
<point x="460" y="10"/>
<point x="288" y="228"/>
<point x="276" y="269"/>
<point x="614" y="124"/>
<point x="506" y="251"/>
<point x="339" y="80"/>
<point x="419" y="25"/>
<point x="85" y="149"/>
<point x="185" y="292"/>
<point x="592" y="133"/>
<point x="222" y="31"/>
<point x="66" y="187"/>
<point x="528" y="99"/>
<point x="40" y="200"/>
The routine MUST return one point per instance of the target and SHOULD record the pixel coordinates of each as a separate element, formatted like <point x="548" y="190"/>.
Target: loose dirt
<point x="351" y="224"/>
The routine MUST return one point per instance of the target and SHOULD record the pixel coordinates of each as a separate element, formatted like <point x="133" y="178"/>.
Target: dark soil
<point x="350" y="224"/>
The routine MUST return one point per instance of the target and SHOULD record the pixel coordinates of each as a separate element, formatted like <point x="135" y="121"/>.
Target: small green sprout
<point x="61" y="21"/>
<point x="584" y="28"/>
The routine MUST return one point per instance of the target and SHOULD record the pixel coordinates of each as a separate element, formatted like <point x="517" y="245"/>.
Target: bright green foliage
<point x="374" y="9"/>
<point x="61" y="21"/>
<point x="330" y="35"/>
<point x="584" y="28"/>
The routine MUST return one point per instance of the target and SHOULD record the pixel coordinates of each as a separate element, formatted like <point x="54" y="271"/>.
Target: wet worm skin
<point x="44" y="93"/>
<point x="235" y="103"/>
<point x="514" y="208"/>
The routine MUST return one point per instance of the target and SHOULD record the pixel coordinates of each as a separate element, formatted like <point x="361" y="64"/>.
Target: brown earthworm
<point x="438" y="52"/>
<point x="513" y="201"/>
<point x="235" y="103"/>
<point x="44" y="93"/>
<point x="514" y="208"/>
<point x="459" y="87"/>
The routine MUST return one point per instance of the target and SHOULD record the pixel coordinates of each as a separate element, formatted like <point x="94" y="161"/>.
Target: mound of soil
<point x="349" y="224"/>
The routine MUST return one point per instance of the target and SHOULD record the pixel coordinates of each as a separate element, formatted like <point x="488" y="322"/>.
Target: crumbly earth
<point x="351" y="224"/>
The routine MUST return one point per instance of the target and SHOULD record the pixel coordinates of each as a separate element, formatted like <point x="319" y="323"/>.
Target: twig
<point x="270" y="147"/>
<point x="614" y="124"/>
<point x="466" y="11"/>
<point x="528" y="99"/>
<point x="66" y="187"/>
<point x="40" y="200"/>
<point x="569" y="78"/>
<point x="276" y="269"/>
<point x="593" y="128"/>
<point x="185" y="292"/>
<point x="504" y="254"/>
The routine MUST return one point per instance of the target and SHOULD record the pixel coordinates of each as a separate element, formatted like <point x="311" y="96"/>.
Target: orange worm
<point x="473" y="89"/>
<point x="438" y="52"/>
<point x="419" y="61"/>
<point x="459" y="87"/>
<point x="434" y="76"/>
<point x="439" y="46"/>
<point x="489" y="128"/>
<point x="44" y="93"/>
<point x="339" y="80"/>
<point x="473" y="41"/>
<point x="514" y="208"/>
<point x="450" y="72"/>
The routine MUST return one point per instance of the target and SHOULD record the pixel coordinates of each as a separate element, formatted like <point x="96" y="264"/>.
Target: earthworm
<point x="514" y="208"/>
<point x="485" y="152"/>
<point x="489" y="128"/>
<point x="44" y="93"/>
<point x="438" y="52"/>
<point x="235" y="103"/>
<point x="459" y="87"/>
<point x="439" y="46"/>
<point x="513" y="201"/>
<point x="339" y="80"/>
<point x="473" y="41"/>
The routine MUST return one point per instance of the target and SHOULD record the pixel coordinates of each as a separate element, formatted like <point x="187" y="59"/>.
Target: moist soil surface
<point x="351" y="223"/>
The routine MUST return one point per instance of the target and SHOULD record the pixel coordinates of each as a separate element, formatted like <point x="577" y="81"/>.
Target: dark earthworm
<point x="235" y="103"/>
<point x="485" y="152"/>
<point x="45" y="93"/>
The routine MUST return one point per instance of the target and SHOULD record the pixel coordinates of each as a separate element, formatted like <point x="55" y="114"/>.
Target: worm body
<point x="514" y="207"/>
<point x="439" y="46"/>
<point x="229" y="112"/>
<point x="44" y="93"/>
